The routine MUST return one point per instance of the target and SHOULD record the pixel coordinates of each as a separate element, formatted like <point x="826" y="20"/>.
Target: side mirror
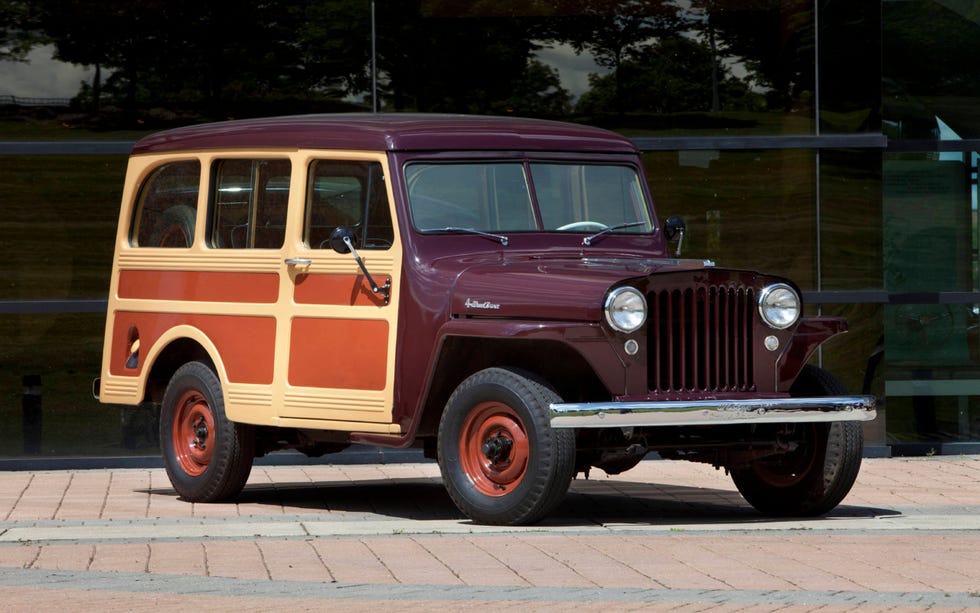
<point x="672" y="227"/>
<point x="675" y="227"/>
<point x="340" y="238"/>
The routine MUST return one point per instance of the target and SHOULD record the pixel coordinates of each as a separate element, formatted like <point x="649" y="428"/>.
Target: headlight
<point x="779" y="305"/>
<point x="626" y="309"/>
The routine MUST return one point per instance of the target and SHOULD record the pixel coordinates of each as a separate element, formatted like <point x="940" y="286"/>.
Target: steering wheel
<point x="584" y="226"/>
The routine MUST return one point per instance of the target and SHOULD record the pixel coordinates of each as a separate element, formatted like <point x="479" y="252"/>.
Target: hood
<point x="565" y="289"/>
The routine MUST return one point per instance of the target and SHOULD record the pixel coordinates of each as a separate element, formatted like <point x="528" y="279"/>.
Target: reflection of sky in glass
<point x="947" y="133"/>
<point x="573" y="69"/>
<point x="42" y="76"/>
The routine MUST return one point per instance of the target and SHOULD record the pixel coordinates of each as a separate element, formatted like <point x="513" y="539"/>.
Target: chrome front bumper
<point x="712" y="412"/>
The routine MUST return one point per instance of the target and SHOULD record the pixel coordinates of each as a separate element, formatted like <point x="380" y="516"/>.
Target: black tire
<point x="207" y="457"/>
<point x="501" y="461"/>
<point x="815" y="477"/>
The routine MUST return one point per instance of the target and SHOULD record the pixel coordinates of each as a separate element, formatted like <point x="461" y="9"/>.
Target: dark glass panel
<point x="931" y="70"/>
<point x="850" y="66"/>
<point x="65" y="352"/>
<point x="643" y="67"/>
<point x="850" y="220"/>
<point x="746" y="209"/>
<point x="59" y="225"/>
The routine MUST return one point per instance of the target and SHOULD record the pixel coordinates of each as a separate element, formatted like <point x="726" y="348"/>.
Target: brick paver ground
<point x="664" y="536"/>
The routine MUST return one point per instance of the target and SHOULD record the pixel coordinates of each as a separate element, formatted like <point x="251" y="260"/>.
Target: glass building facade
<point x="833" y="142"/>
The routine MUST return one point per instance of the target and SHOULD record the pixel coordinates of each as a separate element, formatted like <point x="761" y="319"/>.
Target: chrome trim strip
<point x="712" y="412"/>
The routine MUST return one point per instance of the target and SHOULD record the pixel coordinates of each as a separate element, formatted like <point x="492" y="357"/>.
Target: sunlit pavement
<point x="664" y="536"/>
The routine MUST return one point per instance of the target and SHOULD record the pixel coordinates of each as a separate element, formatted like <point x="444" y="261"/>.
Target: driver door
<point x="340" y="333"/>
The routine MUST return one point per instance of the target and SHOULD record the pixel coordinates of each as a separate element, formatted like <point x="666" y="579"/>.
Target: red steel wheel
<point x="792" y="468"/>
<point x="193" y="433"/>
<point x="814" y="477"/>
<point x="494" y="448"/>
<point x="207" y="457"/>
<point x="500" y="460"/>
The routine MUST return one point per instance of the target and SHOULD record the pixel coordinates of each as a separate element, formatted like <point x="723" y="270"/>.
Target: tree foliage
<point x="18" y="29"/>
<point x="220" y="58"/>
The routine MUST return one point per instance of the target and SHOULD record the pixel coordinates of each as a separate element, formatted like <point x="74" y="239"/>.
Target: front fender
<point x="810" y="333"/>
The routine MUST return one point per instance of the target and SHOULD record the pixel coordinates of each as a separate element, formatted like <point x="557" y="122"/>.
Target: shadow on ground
<point x="586" y="503"/>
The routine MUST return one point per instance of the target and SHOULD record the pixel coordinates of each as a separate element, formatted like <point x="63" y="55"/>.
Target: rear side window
<point x="167" y="206"/>
<point x="248" y="203"/>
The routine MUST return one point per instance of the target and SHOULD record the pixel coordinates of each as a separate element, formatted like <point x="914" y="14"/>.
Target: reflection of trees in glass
<point x="931" y="66"/>
<point x="681" y="58"/>
<point x="335" y="51"/>
<point x="772" y="39"/>
<point x="17" y="29"/>
<point x="538" y="93"/>
<point x="669" y="76"/>
<point x="204" y="55"/>
<point x="461" y="63"/>
<point x="227" y="58"/>
<point x="613" y="30"/>
<point x="104" y="35"/>
<point x="931" y="48"/>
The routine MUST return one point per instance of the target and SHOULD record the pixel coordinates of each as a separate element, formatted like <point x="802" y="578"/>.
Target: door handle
<point x="298" y="261"/>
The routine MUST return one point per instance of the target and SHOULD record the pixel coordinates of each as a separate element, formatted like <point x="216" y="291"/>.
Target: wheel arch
<point x="552" y="362"/>
<point x="176" y="347"/>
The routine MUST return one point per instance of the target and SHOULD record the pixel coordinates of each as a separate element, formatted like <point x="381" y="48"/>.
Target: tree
<point x="335" y="44"/>
<point x="668" y="76"/>
<point x="18" y="29"/>
<point x="536" y="93"/>
<point x="456" y="64"/>
<point x="108" y="33"/>
<point x="610" y="30"/>
<point x="772" y="38"/>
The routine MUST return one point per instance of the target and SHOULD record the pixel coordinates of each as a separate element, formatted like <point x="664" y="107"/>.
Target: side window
<point x="167" y="206"/>
<point x="248" y="204"/>
<point x="349" y="194"/>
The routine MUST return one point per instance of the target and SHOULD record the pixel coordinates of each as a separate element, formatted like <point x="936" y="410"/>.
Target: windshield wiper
<point x="497" y="237"/>
<point x="588" y="239"/>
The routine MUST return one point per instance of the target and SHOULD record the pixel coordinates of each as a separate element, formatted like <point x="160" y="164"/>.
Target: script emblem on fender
<point x="486" y="305"/>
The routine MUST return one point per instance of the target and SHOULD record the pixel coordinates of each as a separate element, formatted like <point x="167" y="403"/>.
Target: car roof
<point x="389" y="132"/>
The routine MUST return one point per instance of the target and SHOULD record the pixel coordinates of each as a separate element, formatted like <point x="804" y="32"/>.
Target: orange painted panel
<point x="339" y="353"/>
<point x="247" y="345"/>
<point x="261" y="288"/>
<point x="336" y="290"/>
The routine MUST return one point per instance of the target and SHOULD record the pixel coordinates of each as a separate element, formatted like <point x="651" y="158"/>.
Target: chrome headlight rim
<point x="771" y="299"/>
<point x="625" y="309"/>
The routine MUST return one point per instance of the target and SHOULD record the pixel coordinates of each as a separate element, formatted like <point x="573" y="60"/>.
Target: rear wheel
<point x="501" y="461"/>
<point x="816" y="476"/>
<point x="208" y="458"/>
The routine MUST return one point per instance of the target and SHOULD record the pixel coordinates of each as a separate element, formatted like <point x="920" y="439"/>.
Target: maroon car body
<point x="553" y="331"/>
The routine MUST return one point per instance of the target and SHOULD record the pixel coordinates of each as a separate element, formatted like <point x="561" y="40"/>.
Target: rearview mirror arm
<point x="384" y="290"/>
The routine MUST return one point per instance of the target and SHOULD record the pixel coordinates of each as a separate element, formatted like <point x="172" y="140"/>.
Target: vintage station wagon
<point x="497" y="291"/>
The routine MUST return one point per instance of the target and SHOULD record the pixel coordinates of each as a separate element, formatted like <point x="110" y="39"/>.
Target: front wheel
<point x="208" y="458"/>
<point x="501" y="461"/>
<point x="815" y="477"/>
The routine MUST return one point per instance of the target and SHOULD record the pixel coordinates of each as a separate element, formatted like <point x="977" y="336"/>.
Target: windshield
<point x="536" y="196"/>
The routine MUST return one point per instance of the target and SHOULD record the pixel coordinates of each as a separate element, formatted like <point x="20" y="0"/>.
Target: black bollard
<point x="31" y="404"/>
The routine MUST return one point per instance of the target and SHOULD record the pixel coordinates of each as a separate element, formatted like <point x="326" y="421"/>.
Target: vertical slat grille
<point x="701" y="339"/>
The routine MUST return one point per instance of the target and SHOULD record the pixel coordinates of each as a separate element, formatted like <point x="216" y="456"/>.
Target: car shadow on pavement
<point x="587" y="502"/>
